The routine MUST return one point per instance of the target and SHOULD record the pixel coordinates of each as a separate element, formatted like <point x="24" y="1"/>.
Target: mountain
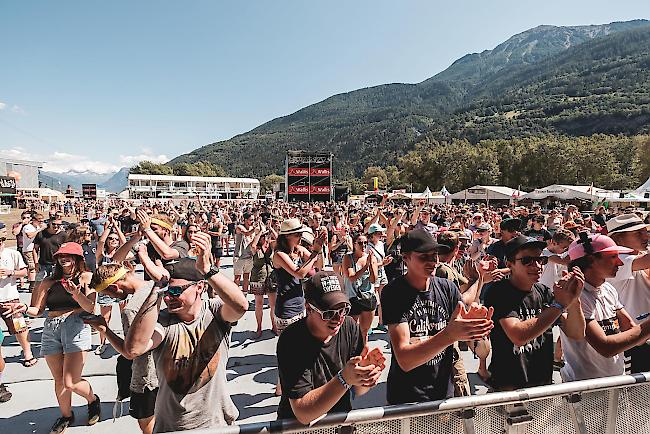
<point x="547" y="80"/>
<point x="117" y="182"/>
<point x="60" y="181"/>
<point x="112" y="182"/>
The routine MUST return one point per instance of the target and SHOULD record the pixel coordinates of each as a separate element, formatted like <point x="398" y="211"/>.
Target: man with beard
<point x="190" y="342"/>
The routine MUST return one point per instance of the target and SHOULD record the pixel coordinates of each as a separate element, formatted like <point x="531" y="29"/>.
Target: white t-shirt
<point x="28" y="243"/>
<point x="10" y="260"/>
<point x="582" y="360"/>
<point x="552" y="271"/>
<point x="633" y="287"/>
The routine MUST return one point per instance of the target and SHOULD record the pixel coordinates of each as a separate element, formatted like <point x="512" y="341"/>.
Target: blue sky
<point x="93" y="84"/>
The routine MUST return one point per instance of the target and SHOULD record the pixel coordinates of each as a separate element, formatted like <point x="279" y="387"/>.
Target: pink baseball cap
<point x="599" y="244"/>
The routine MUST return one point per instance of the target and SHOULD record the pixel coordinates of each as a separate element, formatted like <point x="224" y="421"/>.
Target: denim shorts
<point x="65" y="334"/>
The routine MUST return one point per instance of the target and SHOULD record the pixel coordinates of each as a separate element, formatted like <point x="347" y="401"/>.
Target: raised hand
<point x="203" y="245"/>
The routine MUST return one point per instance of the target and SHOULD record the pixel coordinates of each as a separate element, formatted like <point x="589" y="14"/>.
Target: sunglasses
<point x="176" y="291"/>
<point x="55" y="225"/>
<point x="527" y="260"/>
<point x="113" y="239"/>
<point x="328" y="315"/>
<point x="362" y="243"/>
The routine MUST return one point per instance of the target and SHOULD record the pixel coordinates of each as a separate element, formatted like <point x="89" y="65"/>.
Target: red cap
<point x="70" y="249"/>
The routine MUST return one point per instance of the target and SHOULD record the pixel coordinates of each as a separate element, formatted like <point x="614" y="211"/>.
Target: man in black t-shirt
<point x="322" y="356"/>
<point x="537" y="230"/>
<point x="524" y="314"/>
<point x="47" y="242"/>
<point x="425" y="316"/>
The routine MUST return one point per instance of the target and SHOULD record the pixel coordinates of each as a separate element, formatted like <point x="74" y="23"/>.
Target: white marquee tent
<point x="487" y="193"/>
<point x="570" y="192"/>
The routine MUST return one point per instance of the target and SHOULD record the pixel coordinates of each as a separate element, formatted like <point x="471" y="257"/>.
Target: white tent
<point x="487" y="193"/>
<point x="570" y="192"/>
<point x="645" y="188"/>
<point x="427" y="195"/>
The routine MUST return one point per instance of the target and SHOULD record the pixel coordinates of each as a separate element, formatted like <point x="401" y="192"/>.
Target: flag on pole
<point x="516" y="193"/>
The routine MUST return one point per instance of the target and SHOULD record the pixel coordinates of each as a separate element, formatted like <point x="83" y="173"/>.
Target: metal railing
<point x="611" y="405"/>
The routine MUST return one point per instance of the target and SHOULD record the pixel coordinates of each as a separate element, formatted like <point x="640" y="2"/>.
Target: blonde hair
<point x="104" y="272"/>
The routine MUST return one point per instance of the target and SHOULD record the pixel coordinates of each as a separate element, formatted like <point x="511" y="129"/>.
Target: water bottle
<point x="19" y="322"/>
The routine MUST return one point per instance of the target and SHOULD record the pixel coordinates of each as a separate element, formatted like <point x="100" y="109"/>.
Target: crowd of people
<point x="438" y="279"/>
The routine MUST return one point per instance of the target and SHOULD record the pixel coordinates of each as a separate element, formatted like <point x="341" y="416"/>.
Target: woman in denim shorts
<point x="66" y="294"/>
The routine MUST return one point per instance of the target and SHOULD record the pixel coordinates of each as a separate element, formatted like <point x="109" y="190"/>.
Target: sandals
<point x="28" y="363"/>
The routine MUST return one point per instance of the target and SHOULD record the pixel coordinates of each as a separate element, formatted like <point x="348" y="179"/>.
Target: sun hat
<point x="291" y="226"/>
<point x="375" y="227"/>
<point x="484" y="227"/>
<point x="70" y="249"/>
<point x="625" y="223"/>
<point x="599" y="244"/>
<point x="308" y="236"/>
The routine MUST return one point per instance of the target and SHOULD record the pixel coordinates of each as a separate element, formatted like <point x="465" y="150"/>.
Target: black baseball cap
<point x="323" y="290"/>
<point x="184" y="269"/>
<point x="510" y="224"/>
<point x="520" y="242"/>
<point x="421" y="241"/>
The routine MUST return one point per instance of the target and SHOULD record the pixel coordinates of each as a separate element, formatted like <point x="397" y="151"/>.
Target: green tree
<point x="151" y="168"/>
<point x="266" y="184"/>
<point x="379" y="173"/>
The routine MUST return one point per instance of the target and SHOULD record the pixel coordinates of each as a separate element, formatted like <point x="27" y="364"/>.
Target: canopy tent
<point x="645" y="188"/>
<point x="426" y="195"/>
<point x="570" y="192"/>
<point x="487" y="193"/>
<point x="45" y="194"/>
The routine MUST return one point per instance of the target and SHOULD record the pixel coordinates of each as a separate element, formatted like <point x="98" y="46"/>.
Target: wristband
<point x="557" y="305"/>
<point x="339" y="376"/>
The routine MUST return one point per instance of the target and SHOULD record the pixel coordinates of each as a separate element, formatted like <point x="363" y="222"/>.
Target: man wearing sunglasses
<point x="190" y="342"/>
<point x="321" y="358"/>
<point x="46" y="243"/>
<point x="524" y="314"/>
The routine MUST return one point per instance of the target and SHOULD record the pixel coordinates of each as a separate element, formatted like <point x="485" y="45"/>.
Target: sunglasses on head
<point x="176" y="291"/>
<point x="330" y="314"/>
<point x="527" y="260"/>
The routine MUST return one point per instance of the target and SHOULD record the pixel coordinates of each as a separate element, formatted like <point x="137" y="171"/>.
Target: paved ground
<point x="252" y="375"/>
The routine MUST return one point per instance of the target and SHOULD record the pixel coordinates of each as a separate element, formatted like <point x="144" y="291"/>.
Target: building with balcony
<point x="180" y="187"/>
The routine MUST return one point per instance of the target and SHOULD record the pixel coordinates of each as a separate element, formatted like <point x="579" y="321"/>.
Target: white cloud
<point x="2" y="105"/>
<point x="64" y="162"/>
<point x="17" y="109"/>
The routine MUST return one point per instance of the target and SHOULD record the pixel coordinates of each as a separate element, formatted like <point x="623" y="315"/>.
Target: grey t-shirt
<point x="143" y="367"/>
<point x="191" y="364"/>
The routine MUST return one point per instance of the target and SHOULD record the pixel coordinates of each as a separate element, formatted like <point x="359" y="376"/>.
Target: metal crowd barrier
<point x="611" y="405"/>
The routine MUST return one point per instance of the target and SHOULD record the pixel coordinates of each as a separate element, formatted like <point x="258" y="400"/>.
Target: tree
<point x="151" y="168"/>
<point x="372" y="172"/>
<point x="266" y="184"/>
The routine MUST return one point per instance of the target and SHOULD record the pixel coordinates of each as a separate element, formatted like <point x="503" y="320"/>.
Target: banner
<point x="298" y="189"/>
<point x="7" y="185"/>
<point x="298" y="171"/>
<point x="319" y="189"/>
<point x="320" y="171"/>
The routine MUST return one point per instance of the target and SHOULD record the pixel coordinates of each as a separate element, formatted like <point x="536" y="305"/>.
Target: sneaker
<point x="5" y="395"/>
<point x="61" y="424"/>
<point x="94" y="411"/>
<point x="100" y="349"/>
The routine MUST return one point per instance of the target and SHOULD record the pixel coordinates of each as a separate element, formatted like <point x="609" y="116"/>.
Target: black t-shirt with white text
<point x="539" y="235"/>
<point x="305" y="363"/>
<point x="512" y="366"/>
<point x="426" y="313"/>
